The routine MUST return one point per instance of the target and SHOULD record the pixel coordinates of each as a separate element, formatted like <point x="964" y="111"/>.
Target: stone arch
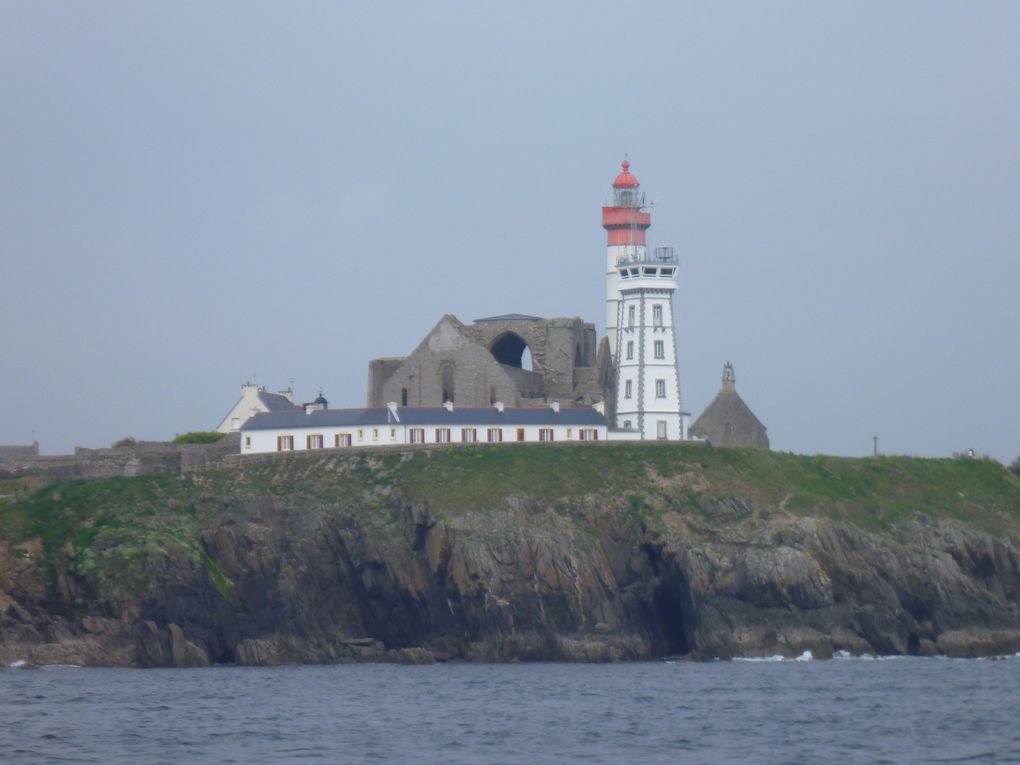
<point x="511" y="349"/>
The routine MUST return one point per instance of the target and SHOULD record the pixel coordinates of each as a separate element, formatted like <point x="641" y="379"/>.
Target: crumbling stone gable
<point x="480" y="363"/>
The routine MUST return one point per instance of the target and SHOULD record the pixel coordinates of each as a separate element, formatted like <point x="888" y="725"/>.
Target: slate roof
<point x="276" y="402"/>
<point x="729" y="407"/>
<point x="428" y="415"/>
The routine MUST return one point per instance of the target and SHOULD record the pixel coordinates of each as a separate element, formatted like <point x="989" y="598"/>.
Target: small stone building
<point x="728" y="421"/>
<point x="479" y="364"/>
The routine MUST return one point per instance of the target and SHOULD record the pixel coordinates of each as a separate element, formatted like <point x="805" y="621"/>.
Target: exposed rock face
<point x="297" y="578"/>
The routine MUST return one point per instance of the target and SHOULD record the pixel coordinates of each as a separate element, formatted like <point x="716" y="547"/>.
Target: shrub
<point x="199" y="437"/>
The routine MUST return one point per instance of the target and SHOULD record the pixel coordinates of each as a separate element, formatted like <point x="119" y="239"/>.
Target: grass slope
<point x="111" y="526"/>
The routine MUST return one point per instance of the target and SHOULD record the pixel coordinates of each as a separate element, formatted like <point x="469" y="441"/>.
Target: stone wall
<point x="14" y="452"/>
<point x="139" y="458"/>
<point x="478" y="364"/>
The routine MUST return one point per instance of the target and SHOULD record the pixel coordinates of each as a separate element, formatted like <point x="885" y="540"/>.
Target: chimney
<point x="448" y="406"/>
<point x="555" y="406"/>
<point x="392" y="407"/>
<point x="499" y="406"/>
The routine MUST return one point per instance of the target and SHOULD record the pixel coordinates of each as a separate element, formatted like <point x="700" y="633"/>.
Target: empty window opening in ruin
<point x="511" y="350"/>
<point x="446" y="375"/>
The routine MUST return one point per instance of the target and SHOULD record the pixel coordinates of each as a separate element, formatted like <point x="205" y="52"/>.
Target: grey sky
<point x="191" y="193"/>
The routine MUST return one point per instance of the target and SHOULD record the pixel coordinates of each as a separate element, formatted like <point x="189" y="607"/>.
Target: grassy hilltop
<point x="114" y="517"/>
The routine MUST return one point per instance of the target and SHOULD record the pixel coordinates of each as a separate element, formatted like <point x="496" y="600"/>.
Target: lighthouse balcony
<point x="661" y="255"/>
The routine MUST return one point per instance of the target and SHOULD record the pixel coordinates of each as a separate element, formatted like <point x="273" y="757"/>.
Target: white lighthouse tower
<point x="639" y="319"/>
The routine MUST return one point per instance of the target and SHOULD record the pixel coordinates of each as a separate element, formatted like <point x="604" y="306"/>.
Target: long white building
<point x="316" y="427"/>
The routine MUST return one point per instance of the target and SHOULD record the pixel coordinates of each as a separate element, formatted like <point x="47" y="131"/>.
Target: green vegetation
<point x="199" y="437"/>
<point x="114" y="528"/>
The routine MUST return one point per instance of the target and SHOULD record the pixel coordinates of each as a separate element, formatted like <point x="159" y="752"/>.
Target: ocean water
<point x="903" y="710"/>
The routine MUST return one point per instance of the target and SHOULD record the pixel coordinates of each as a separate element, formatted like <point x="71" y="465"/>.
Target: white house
<point x="255" y="399"/>
<point x="319" y="428"/>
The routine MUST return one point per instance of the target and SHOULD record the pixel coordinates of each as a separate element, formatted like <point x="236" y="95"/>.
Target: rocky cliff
<point x="530" y="552"/>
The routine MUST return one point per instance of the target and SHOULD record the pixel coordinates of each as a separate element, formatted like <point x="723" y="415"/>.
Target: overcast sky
<point x="193" y="193"/>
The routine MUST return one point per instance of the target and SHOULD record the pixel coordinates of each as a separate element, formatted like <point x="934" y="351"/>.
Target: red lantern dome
<point x="625" y="180"/>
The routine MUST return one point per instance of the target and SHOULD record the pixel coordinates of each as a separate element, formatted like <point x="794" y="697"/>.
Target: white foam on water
<point x="806" y="656"/>
<point x="842" y="654"/>
<point x="774" y="657"/>
<point x="17" y="664"/>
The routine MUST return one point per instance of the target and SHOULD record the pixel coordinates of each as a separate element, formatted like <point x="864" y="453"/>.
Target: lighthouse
<point x="639" y="319"/>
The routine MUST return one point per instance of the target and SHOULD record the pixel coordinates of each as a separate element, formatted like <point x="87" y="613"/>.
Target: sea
<point x="850" y="710"/>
